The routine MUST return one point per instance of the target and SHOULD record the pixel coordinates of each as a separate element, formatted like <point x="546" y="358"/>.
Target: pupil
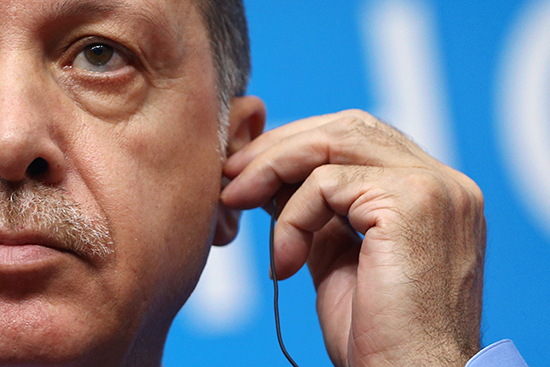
<point x="98" y="54"/>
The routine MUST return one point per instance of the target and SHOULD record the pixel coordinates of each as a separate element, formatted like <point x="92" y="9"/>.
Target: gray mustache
<point x="35" y="207"/>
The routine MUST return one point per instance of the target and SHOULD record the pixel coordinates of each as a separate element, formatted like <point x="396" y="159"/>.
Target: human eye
<point x="99" y="57"/>
<point x="104" y="75"/>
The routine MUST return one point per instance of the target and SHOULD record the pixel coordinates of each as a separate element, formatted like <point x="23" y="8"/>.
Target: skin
<point x="135" y="145"/>
<point x="409" y="292"/>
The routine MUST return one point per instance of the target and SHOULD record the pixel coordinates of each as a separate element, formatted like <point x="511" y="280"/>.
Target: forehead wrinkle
<point x="151" y="14"/>
<point x="78" y="8"/>
<point x="158" y="21"/>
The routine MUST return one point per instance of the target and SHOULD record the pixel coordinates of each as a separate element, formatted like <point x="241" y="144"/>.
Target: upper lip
<point x="24" y="237"/>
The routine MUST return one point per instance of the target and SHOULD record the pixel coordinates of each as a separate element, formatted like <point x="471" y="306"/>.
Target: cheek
<point x="112" y="98"/>
<point x="156" y="177"/>
<point x="157" y="180"/>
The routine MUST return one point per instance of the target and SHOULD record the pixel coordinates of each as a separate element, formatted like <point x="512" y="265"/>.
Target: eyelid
<point x="74" y="49"/>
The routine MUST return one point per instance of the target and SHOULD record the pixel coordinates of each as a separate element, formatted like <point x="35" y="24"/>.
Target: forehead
<point x="165" y="16"/>
<point x="168" y="29"/>
<point x="135" y="7"/>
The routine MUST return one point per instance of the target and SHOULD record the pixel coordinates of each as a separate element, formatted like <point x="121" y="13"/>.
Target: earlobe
<point x="227" y="225"/>
<point x="246" y="122"/>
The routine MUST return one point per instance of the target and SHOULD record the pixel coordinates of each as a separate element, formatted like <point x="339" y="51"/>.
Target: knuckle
<point x="437" y="193"/>
<point x="357" y="128"/>
<point x="321" y="174"/>
<point x="351" y="130"/>
<point x="360" y="114"/>
<point x="474" y="189"/>
<point x="466" y="193"/>
<point x="427" y="188"/>
<point x="354" y="120"/>
<point x="329" y="178"/>
<point x="358" y="173"/>
<point x="349" y="123"/>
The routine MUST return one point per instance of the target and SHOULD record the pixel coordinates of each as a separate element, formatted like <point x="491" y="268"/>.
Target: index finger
<point x="346" y="141"/>
<point x="238" y="161"/>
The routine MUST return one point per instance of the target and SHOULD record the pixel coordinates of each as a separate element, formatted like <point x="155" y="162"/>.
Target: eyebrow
<point x="96" y="8"/>
<point x="155" y="19"/>
<point x="157" y="27"/>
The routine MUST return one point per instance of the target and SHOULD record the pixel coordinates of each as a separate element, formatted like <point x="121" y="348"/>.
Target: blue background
<point x="310" y="57"/>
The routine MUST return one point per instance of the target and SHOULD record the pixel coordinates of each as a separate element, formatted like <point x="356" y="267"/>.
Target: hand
<point x="409" y="292"/>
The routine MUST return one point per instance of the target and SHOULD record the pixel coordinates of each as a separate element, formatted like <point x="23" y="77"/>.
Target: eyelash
<point x="77" y="49"/>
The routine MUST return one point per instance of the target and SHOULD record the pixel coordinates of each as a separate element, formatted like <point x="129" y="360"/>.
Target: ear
<point x="246" y="122"/>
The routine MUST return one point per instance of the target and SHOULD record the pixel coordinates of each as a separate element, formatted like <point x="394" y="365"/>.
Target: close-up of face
<point x="110" y="163"/>
<point x="401" y="169"/>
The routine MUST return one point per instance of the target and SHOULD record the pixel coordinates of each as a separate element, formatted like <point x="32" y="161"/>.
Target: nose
<point x="28" y="149"/>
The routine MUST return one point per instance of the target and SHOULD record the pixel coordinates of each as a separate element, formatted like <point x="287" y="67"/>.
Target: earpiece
<point x="275" y="284"/>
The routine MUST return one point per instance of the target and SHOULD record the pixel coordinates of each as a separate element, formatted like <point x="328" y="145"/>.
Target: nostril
<point x="37" y="167"/>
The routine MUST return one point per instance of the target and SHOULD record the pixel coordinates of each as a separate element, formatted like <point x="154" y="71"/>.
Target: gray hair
<point x="227" y="28"/>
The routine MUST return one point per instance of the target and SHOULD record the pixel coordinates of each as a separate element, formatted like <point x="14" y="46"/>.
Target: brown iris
<point x="98" y="54"/>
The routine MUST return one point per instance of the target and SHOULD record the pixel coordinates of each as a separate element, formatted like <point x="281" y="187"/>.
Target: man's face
<point x="109" y="109"/>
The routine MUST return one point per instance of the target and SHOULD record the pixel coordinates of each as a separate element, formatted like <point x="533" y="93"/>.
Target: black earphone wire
<point x="275" y="285"/>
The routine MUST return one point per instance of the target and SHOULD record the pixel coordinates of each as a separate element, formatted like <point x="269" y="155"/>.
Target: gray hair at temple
<point x="226" y="23"/>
